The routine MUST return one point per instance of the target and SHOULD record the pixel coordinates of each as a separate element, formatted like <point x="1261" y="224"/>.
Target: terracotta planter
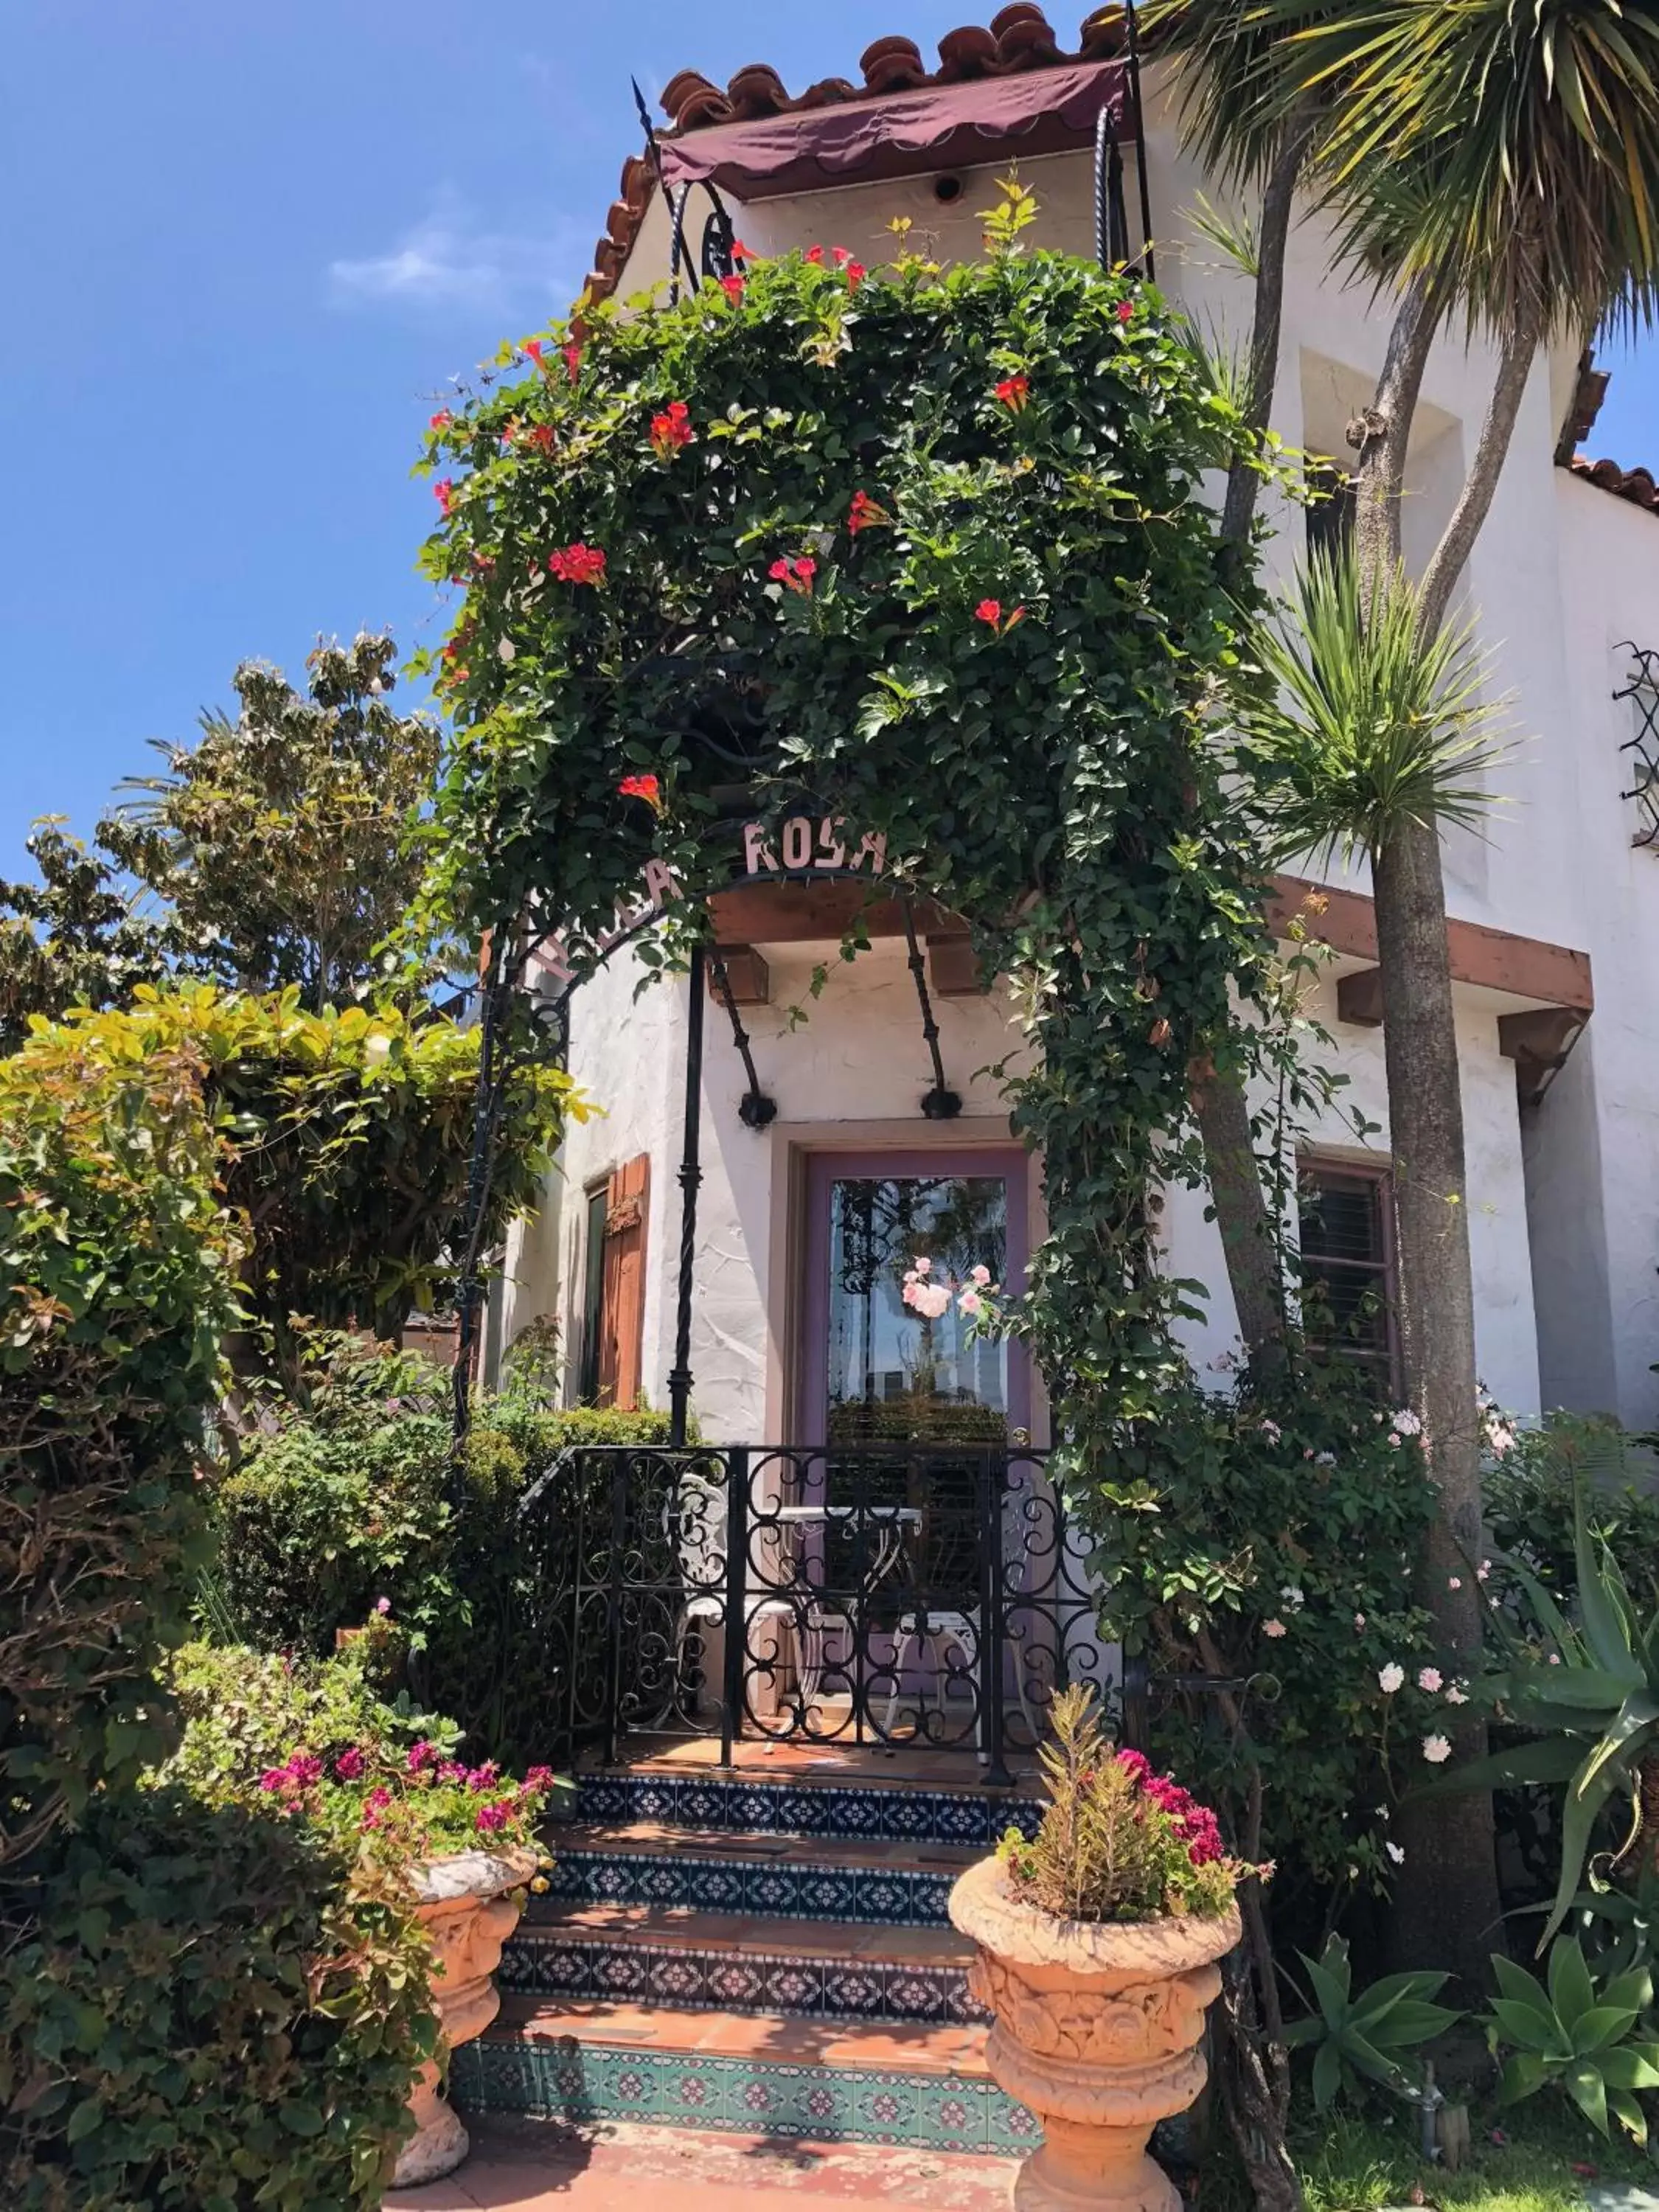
<point x="467" y="1911"/>
<point x="1099" y="2029"/>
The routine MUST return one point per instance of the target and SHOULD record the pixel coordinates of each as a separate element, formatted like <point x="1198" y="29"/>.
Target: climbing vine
<point x="923" y="549"/>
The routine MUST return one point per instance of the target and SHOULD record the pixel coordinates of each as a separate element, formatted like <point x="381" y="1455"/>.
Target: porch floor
<point x="792" y="1759"/>
<point x="537" y="2165"/>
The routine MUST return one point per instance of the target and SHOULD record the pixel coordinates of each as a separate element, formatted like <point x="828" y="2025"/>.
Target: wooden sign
<point x="804" y="845"/>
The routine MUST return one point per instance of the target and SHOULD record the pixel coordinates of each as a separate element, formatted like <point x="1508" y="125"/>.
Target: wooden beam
<point x="746" y="973"/>
<point x="1538" y="1043"/>
<point x="1360" y="998"/>
<point x="804" y="913"/>
<point x="953" y="968"/>
<point x="1495" y="960"/>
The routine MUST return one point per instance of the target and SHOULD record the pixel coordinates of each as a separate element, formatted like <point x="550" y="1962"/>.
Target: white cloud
<point x="449" y="260"/>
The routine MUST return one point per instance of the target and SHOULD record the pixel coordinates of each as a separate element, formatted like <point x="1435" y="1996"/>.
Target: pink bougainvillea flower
<point x="421" y="1756"/>
<point x="494" y="1816"/>
<point x="733" y="288"/>
<point x="795" y="575"/>
<point x="641" y="786"/>
<point x="538" y="1779"/>
<point x="864" y="513"/>
<point x="1014" y="392"/>
<point x="349" y="1766"/>
<point x="443" y="491"/>
<point x="672" y="429"/>
<point x="578" y="564"/>
<point x="856" y="273"/>
<point x="441" y="420"/>
<point x="1125" y="311"/>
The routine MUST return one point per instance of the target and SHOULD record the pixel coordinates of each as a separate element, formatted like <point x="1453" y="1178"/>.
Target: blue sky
<point x="247" y="248"/>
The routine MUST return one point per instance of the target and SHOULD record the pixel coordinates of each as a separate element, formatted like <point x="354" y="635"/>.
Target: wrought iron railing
<point x="931" y="1598"/>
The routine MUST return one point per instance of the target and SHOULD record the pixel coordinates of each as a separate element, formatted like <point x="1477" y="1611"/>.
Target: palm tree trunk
<point x="1446" y="1908"/>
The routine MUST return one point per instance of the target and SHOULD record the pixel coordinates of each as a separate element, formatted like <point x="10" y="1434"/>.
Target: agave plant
<point x="1587" y="2041"/>
<point x="1365" y="2034"/>
<point x="1592" y="1698"/>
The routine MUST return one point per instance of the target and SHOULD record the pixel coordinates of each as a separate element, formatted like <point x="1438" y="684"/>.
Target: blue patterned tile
<point x="679" y="1977"/>
<point x="919" y="1992"/>
<point x="602" y="1800"/>
<point x="1009" y="2126"/>
<point x="885" y="2107"/>
<point x="736" y="1984"/>
<point x="960" y="1820"/>
<point x="701" y="1805"/>
<point x="657" y="1882"/>
<point x="855" y="1991"/>
<point x="713" y="1886"/>
<point x="825" y="1892"/>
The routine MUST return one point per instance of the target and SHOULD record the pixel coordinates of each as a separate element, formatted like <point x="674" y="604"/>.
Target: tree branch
<point x="1272" y="235"/>
<point x="1383" y="432"/>
<point x="1451" y="555"/>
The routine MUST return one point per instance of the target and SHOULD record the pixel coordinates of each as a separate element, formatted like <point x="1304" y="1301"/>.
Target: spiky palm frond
<point x="1507" y="149"/>
<point x="1370" y="726"/>
<point x="1238" y="78"/>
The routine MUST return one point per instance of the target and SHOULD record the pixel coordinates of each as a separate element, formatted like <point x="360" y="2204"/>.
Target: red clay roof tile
<point x="1018" y="37"/>
<point x="1636" y="485"/>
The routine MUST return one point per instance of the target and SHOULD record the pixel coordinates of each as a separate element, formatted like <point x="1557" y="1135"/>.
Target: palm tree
<point x="1497" y="161"/>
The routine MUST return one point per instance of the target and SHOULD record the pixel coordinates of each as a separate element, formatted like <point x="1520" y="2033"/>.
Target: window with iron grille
<point x="1640" y="750"/>
<point x="1347" y="1264"/>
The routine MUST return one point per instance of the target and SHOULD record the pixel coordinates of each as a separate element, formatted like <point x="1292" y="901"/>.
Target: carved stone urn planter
<point x="1099" y="2030"/>
<point x="468" y="1909"/>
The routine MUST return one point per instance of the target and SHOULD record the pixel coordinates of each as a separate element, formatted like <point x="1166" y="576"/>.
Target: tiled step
<point x="802" y="1804"/>
<point x="688" y="1960"/>
<point x="897" y="1885"/>
<point x="919" y="2086"/>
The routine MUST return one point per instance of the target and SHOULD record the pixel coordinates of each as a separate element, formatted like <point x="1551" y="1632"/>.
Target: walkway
<point x="542" y="2165"/>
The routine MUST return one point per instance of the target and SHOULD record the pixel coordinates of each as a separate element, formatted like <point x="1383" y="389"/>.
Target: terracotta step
<point x="680" y="1957"/>
<point x="647" y="1862"/>
<point x="921" y="2085"/>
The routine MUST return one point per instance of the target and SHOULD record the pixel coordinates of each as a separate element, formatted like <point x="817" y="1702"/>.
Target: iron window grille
<point x="1641" y="688"/>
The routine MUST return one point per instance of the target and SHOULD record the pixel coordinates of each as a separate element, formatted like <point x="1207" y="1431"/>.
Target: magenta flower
<point x="349" y="1766"/>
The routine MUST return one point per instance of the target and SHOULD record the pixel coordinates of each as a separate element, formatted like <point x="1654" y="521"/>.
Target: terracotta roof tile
<point x="1018" y="37"/>
<point x="1636" y="485"/>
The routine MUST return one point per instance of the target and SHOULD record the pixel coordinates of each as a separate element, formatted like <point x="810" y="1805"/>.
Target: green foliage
<point x="1586" y="1687"/>
<point x="1369" y="726"/>
<point x="1590" y="2041"/>
<point x="347" y="1139"/>
<point x="1530" y="1491"/>
<point x="284" y="846"/>
<point x="1115" y="1841"/>
<point x="208" y="2017"/>
<point x="117" y="1267"/>
<point x="1002" y="661"/>
<point x="1271" y="1542"/>
<point x="73" y="937"/>
<point x="349" y="1500"/>
<point x="1363" y="2035"/>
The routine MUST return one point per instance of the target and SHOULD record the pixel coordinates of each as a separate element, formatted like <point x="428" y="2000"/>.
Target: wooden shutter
<point x="622" y="1325"/>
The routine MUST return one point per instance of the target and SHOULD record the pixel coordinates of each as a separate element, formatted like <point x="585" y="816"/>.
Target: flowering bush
<point x="310" y="1742"/>
<point x="923" y="548"/>
<point x="1116" y="1841"/>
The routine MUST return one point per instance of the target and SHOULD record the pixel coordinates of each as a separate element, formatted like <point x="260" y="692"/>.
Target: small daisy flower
<point x="1437" y="1749"/>
<point x="1430" y="1679"/>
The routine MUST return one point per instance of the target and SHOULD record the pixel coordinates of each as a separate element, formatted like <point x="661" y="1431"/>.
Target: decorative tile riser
<point x="740" y="1806"/>
<point x="689" y="1979"/>
<point x="588" y="2082"/>
<point x="790" y="1890"/>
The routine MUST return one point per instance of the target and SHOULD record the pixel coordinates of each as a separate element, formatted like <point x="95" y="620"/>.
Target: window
<point x="613" y="1287"/>
<point x="1347" y="1264"/>
<point x="1330" y="517"/>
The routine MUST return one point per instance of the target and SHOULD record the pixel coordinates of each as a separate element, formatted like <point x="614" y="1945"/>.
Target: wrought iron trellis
<point x="1641" y="688"/>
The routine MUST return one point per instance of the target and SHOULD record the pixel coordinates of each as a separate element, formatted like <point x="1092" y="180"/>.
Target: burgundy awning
<point x="1048" y="111"/>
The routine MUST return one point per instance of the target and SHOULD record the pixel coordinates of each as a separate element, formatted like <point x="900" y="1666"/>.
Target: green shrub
<point x="1529" y="1491"/>
<point x="117" y="1267"/>
<point x="349" y="1501"/>
<point x="208" y="2017"/>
